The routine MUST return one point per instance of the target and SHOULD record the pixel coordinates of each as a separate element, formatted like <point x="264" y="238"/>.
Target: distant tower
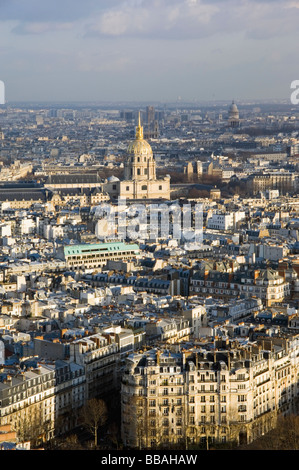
<point x="2" y="92"/>
<point x="233" y="115"/>
<point x="152" y="127"/>
<point x="2" y="353"/>
<point x="150" y="115"/>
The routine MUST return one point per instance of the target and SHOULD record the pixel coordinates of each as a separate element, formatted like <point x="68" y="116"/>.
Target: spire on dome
<point x="139" y="129"/>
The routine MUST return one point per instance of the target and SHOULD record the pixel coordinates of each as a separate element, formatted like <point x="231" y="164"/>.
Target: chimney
<point x="158" y="357"/>
<point x="184" y="358"/>
<point x="63" y="331"/>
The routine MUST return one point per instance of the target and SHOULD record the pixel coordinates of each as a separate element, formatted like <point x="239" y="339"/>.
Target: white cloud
<point x="164" y="19"/>
<point x="159" y="47"/>
<point x="40" y="27"/>
<point x="156" y="18"/>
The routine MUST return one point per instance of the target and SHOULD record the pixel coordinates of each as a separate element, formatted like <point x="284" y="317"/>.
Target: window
<point x="144" y="187"/>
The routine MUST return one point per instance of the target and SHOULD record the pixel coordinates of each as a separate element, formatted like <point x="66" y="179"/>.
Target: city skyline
<point x="153" y="279"/>
<point x="148" y="51"/>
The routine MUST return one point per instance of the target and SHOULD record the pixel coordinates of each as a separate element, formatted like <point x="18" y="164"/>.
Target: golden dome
<point x="139" y="147"/>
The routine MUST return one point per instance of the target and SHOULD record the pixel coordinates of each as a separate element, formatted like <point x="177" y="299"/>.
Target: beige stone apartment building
<point x="27" y="402"/>
<point x="233" y="393"/>
<point x="41" y="402"/>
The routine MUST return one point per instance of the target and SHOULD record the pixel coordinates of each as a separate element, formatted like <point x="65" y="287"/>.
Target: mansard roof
<point x="74" y="178"/>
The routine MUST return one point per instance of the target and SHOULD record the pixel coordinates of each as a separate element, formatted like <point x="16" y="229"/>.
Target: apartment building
<point x="27" y="401"/>
<point x="170" y="330"/>
<point x="224" y="221"/>
<point x="233" y="393"/>
<point x="283" y="181"/>
<point x="100" y="356"/>
<point x="70" y="395"/>
<point x="265" y="284"/>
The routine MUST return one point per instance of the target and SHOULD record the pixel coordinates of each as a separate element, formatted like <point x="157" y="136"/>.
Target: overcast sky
<point x="148" y="50"/>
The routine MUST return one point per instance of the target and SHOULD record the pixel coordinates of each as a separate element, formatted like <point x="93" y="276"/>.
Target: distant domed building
<point x="233" y="115"/>
<point x="140" y="181"/>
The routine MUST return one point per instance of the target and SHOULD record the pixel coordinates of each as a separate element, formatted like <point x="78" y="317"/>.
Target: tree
<point x="114" y="434"/>
<point x="68" y="443"/>
<point x="31" y="425"/>
<point x="285" y="436"/>
<point x="94" y="415"/>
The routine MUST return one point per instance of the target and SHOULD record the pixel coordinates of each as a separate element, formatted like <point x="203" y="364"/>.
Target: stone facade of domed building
<point x="233" y="115"/>
<point x="140" y="181"/>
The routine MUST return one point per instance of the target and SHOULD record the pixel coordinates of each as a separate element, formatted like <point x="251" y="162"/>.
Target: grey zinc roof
<point x="75" y="178"/>
<point x="26" y="194"/>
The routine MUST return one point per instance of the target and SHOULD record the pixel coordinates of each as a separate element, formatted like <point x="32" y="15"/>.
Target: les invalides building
<point x="140" y="181"/>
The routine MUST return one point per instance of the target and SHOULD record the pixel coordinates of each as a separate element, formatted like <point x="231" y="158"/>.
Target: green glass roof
<point x="99" y="247"/>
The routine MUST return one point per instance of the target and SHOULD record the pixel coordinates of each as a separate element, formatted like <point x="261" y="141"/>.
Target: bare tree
<point x="70" y="443"/>
<point x="114" y="434"/>
<point x="94" y="415"/>
<point x="31" y="426"/>
<point x="285" y="436"/>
